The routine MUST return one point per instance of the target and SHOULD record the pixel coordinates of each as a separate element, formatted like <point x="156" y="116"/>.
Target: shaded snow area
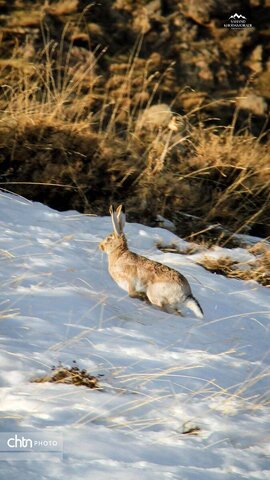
<point x="164" y="376"/>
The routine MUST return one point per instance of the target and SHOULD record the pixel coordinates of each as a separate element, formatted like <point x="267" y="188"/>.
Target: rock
<point x="155" y="116"/>
<point x="255" y="103"/>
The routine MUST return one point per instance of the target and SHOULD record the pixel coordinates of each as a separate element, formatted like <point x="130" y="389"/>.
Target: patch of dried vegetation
<point x="69" y="375"/>
<point x="257" y="270"/>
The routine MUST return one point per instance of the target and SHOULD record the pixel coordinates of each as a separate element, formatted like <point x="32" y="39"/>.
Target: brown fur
<point x="134" y="265"/>
<point x="139" y="275"/>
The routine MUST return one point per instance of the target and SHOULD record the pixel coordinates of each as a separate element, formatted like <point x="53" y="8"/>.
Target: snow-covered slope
<point x="163" y="374"/>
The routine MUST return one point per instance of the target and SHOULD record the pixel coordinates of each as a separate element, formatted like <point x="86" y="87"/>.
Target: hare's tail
<point x="194" y="305"/>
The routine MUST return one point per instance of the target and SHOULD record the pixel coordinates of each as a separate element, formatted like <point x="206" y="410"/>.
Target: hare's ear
<point x="121" y="217"/>
<point x="115" y="223"/>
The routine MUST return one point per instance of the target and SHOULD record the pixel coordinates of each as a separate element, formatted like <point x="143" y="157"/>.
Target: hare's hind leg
<point x="153" y="297"/>
<point x="156" y="298"/>
<point x="159" y="296"/>
<point x="169" y="308"/>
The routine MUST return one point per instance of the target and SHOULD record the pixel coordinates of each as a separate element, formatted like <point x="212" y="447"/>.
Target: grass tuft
<point x="69" y="375"/>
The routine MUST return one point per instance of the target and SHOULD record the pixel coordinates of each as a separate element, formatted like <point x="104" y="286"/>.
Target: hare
<point x="140" y="276"/>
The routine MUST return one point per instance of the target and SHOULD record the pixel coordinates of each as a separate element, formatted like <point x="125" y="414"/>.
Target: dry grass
<point x="243" y="162"/>
<point x="257" y="270"/>
<point x="187" y="250"/>
<point x="65" y="123"/>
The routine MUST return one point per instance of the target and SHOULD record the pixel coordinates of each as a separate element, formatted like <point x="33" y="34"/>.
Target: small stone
<point x="255" y="103"/>
<point x="156" y="116"/>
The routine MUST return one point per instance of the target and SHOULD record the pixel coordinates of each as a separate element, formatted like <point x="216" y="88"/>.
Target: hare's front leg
<point x="135" y="294"/>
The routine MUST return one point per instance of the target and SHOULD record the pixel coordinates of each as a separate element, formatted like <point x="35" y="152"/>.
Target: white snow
<point x="163" y="374"/>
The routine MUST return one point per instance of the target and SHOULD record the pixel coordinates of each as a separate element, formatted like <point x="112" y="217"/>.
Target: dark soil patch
<point x="189" y="429"/>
